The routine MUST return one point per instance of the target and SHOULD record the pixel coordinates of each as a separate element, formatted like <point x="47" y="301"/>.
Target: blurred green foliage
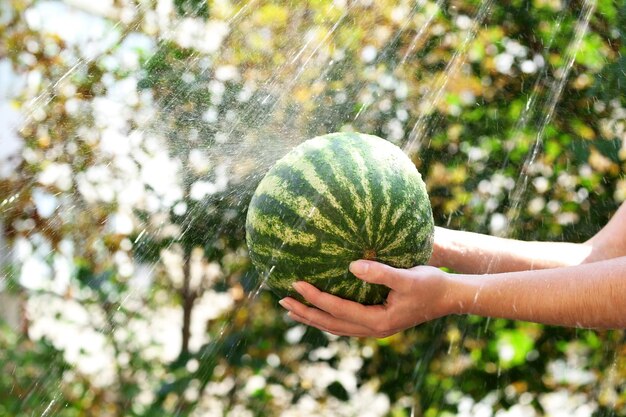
<point x="282" y="73"/>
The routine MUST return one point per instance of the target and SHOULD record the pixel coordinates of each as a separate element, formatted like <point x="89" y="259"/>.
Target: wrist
<point x="460" y="295"/>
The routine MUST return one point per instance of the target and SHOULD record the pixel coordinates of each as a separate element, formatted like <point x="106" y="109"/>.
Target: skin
<point x="565" y="284"/>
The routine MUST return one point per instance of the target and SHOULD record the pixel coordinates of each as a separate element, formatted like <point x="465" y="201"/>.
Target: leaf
<point x="196" y="8"/>
<point x="512" y="347"/>
<point x="338" y="391"/>
<point x="592" y="53"/>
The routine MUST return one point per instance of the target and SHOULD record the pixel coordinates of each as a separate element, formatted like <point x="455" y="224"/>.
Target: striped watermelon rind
<point x="332" y="200"/>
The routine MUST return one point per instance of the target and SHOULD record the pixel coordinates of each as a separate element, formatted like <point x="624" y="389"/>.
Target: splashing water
<point x="419" y="36"/>
<point x="547" y="110"/>
<point x="426" y="121"/>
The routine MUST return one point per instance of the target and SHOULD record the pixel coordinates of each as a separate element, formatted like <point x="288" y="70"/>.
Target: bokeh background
<point x="132" y="133"/>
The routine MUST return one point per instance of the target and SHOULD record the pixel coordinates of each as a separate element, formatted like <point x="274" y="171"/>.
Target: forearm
<point x="474" y="253"/>
<point x="587" y="295"/>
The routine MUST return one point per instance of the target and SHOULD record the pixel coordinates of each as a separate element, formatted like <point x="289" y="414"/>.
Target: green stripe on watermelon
<point x="276" y="248"/>
<point x="322" y="214"/>
<point x="315" y="170"/>
<point x="376" y="176"/>
<point x="267" y="208"/>
<point x="351" y="194"/>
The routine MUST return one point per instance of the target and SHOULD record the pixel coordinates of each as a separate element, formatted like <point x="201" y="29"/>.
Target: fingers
<point x="344" y="317"/>
<point x="406" y="306"/>
<point x="322" y="320"/>
<point x="337" y="315"/>
<point x="378" y="273"/>
<point x="350" y="311"/>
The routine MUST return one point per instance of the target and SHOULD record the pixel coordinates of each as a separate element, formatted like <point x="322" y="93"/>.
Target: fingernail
<point x="359" y="267"/>
<point x="285" y="304"/>
<point x="297" y="286"/>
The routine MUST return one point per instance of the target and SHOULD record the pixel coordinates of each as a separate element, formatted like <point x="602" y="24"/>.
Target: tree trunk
<point x="188" y="296"/>
<point x="10" y="303"/>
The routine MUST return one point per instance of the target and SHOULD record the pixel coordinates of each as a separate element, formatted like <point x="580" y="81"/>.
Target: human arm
<point x="586" y="295"/>
<point x="475" y="253"/>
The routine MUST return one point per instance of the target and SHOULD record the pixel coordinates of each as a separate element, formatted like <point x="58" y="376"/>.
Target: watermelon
<point x="332" y="200"/>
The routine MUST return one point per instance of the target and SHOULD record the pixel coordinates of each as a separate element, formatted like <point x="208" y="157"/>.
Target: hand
<point x="417" y="295"/>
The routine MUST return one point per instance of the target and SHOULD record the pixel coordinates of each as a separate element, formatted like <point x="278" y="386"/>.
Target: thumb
<point x="378" y="273"/>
